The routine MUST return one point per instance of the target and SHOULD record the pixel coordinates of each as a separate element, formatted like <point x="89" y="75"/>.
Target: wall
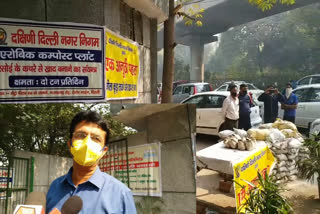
<point x="115" y="15"/>
<point x="46" y="168"/>
<point x="173" y="128"/>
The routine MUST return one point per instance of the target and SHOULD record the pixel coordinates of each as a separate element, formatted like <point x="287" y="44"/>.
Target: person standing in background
<point x="290" y="104"/>
<point x="245" y="104"/>
<point x="271" y="97"/>
<point x="230" y="109"/>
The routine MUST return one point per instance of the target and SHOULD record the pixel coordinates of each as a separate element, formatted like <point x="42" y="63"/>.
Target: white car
<point x="309" y="80"/>
<point x="256" y="92"/>
<point x="209" y="112"/>
<point x="309" y="105"/>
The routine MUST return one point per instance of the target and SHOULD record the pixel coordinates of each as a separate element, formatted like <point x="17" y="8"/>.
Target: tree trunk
<point x="318" y="179"/>
<point x="168" y="57"/>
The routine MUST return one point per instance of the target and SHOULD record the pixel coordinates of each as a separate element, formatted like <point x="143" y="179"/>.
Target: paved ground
<point x="302" y="195"/>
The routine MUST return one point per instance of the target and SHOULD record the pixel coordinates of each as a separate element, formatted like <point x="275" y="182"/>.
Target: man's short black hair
<point x="270" y="86"/>
<point x="243" y="85"/>
<point x="231" y="86"/>
<point x="289" y="84"/>
<point x="92" y="117"/>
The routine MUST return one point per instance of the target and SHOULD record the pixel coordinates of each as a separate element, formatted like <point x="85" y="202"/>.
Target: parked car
<point x="174" y="85"/>
<point x="256" y="92"/>
<point x="309" y="105"/>
<point x="184" y="91"/>
<point x="209" y="112"/>
<point x="309" y="80"/>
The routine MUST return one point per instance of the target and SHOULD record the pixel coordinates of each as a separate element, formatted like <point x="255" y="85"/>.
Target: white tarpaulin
<point x="222" y="159"/>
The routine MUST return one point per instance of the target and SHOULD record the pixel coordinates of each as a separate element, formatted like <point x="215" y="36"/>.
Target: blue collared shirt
<point x="292" y="100"/>
<point x="102" y="193"/>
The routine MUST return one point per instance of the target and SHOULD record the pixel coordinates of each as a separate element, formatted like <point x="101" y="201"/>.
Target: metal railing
<point x="116" y="161"/>
<point x="14" y="184"/>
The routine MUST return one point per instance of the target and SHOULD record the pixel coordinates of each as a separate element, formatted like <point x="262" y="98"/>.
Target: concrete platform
<point x="208" y="194"/>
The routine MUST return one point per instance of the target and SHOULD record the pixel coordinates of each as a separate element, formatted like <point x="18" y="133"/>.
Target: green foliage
<point x="149" y="205"/>
<point x="310" y="166"/>
<point x="274" y="49"/>
<point x="44" y="128"/>
<point x="268" y="4"/>
<point x="266" y="198"/>
<point x="192" y="13"/>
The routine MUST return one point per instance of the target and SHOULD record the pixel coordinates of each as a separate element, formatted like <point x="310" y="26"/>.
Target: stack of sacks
<point x="286" y="144"/>
<point x="237" y="139"/>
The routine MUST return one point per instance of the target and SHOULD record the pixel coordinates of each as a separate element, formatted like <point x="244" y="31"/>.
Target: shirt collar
<point x="96" y="179"/>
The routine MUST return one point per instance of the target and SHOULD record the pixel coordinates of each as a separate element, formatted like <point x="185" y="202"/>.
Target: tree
<point x="44" y="128"/>
<point x="288" y="44"/>
<point x="169" y="44"/>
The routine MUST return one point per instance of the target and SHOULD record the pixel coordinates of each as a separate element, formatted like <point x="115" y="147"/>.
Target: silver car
<point x="184" y="91"/>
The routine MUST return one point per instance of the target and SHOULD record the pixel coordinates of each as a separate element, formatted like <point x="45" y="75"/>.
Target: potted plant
<point x="310" y="167"/>
<point x="265" y="198"/>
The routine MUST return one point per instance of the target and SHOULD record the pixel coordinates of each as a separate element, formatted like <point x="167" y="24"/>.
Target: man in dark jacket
<point x="270" y="98"/>
<point x="245" y="104"/>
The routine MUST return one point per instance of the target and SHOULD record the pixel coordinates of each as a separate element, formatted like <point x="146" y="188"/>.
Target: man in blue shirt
<point x="100" y="192"/>
<point x="245" y="104"/>
<point x="289" y="104"/>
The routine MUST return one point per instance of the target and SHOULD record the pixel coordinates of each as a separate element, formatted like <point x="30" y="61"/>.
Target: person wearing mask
<point x="271" y="97"/>
<point x="230" y="109"/>
<point x="100" y="192"/>
<point x="289" y="104"/>
<point x="245" y="104"/>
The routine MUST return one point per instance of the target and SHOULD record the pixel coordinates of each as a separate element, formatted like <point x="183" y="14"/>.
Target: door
<point x="210" y="113"/>
<point x="14" y="184"/>
<point x="311" y="111"/>
<point x="303" y="95"/>
<point x="187" y="91"/>
<point x="177" y="94"/>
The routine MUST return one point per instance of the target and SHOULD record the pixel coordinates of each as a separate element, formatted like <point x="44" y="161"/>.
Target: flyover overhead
<point x="221" y="15"/>
<point x="218" y="17"/>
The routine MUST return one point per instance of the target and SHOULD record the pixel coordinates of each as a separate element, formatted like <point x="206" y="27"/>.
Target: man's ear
<point x="105" y="150"/>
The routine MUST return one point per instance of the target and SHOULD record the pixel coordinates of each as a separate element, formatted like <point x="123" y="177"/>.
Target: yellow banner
<point x="247" y="170"/>
<point x="122" y="68"/>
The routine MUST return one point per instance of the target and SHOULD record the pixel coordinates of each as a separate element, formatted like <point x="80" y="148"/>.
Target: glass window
<point x="178" y="90"/>
<point x="223" y="88"/>
<point x="203" y="88"/>
<point x="315" y="95"/>
<point x="315" y="80"/>
<point x="303" y="94"/>
<point x="215" y="101"/>
<point x="252" y="87"/>
<point x="304" y="81"/>
<point x="188" y="90"/>
<point x="198" y="100"/>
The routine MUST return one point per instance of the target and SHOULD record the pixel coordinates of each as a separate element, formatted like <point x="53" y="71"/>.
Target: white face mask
<point x="288" y="92"/>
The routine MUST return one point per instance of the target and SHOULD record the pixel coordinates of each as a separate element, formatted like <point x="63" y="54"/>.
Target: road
<point x="204" y="141"/>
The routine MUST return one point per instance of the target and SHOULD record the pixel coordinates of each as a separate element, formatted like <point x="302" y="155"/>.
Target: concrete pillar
<point x="197" y="66"/>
